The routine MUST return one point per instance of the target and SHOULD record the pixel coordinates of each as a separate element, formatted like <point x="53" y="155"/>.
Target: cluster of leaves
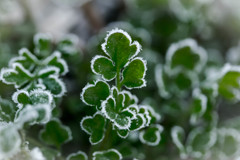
<point x="118" y="110"/>
<point x="37" y="80"/>
<point x="185" y="76"/>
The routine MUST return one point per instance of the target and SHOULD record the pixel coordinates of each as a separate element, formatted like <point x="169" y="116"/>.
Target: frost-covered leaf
<point x="25" y="58"/>
<point x="10" y="141"/>
<point x="37" y="96"/>
<point x="199" y="106"/>
<point x="123" y="133"/>
<point x="54" y="84"/>
<point x="17" y="75"/>
<point x="160" y="78"/>
<point x="111" y="154"/>
<point x="94" y="94"/>
<point x="152" y="135"/>
<point x="200" y="141"/>
<point x="178" y="135"/>
<point x="229" y="85"/>
<point x="39" y="113"/>
<point x="7" y="110"/>
<point x="138" y="122"/>
<point x="119" y="47"/>
<point x="185" y="55"/>
<point x="103" y="66"/>
<point x="42" y="44"/>
<point x="134" y="74"/>
<point x="68" y="45"/>
<point x="56" y="61"/>
<point x="129" y="98"/>
<point x="228" y="143"/>
<point x="55" y="133"/>
<point x="78" y="156"/>
<point x="120" y="118"/>
<point x="95" y="127"/>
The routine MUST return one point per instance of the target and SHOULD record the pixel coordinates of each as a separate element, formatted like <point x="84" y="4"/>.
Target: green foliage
<point x="55" y="133"/>
<point x="94" y="126"/>
<point x="107" y="155"/>
<point x="77" y="156"/>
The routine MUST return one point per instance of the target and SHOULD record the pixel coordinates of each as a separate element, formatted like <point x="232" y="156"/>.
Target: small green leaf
<point x="37" y="96"/>
<point x="119" y="46"/>
<point x="103" y="66"/>
<point x="123" y="133"/>
<point x="55" y="85"/>
<point x="68" y="45"/>
<point x="229" y="86"/>
<point x="77" y="156"/>
<point x="152" y="135"/>
<point x="17" y="76"/>
<point x="42" y="44"/>
<point x="7" y="110"/>
<point x="200" y="141"/>
<point x="199" y="106"/>
<point x="10" y="141"/>
<point x="185" y="55"/>
<point x="55" y="133"/>
<point x="111" y="154"/>
<point x="93" y="95"/>
<point x="134" y="74"/>
<point x="178" y="135"/>
<point x="39" y="113"/>
<point x="55" y="60"/>
<point x="120" y="118"/>
<point x="95" y="127"/>
<point x="138" y="123"/>
<point x="25" y="58"/>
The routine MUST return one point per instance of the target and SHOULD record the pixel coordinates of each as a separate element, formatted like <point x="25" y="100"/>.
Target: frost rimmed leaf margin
<point x="108" y="154"/>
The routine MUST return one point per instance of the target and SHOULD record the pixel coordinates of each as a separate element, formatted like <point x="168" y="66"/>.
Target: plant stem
<point x="117" y="82"/>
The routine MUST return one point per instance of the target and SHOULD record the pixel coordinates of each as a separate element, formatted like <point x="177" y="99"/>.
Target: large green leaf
<point x="119" y="46"/>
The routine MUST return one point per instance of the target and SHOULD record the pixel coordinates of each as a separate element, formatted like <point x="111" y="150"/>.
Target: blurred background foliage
<point x="156" y="24"/>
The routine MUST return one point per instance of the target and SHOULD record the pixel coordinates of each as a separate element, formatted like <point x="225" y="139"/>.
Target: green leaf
<point x="120" y="118"/>
<point x="185" y="55"/>
<point x="7" y="110"/>
<point x="129" y="98"/>
<point x="55" y="133"/>
<point x="103" y="66"/>
<point x="94" y="94"/>
<point x="200" y="141"/>
<point x="123" y="133"/>
<point x="10" y="141"/>
<point x="152" y="135"/>
<point x="229" y="86"/>
<point x="42" y="44"/>
<point x="178" y="136"/>
<point x="55" y="60"/>
<point x="95" y="127"/>
<point x="138" y="123"/>
<point x="119" y="47"/>
<point x="54" y="85"/>
<point x="25" y="58"/>
<point x="111" y="154"/>
<point x="68" y="45"/>
<point x="199" y="106"/>
<point x="134" y="74"/>
<point x="228" y="142"/>
<point x="37" y="96"/>
<point x="39" y="113"/>
<point x="17" y="76"/>
<point x="77" y="156"/>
